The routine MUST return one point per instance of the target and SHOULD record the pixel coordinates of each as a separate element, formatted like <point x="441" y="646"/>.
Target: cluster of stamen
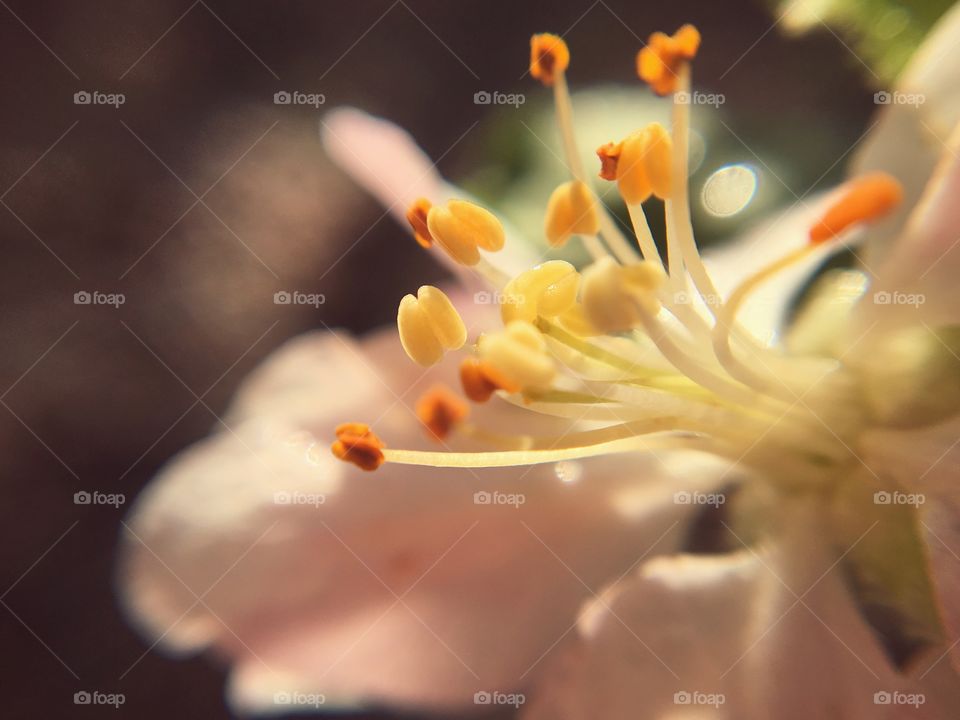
<point x="631" y="337"/>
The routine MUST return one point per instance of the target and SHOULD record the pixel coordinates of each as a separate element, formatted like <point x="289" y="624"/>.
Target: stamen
<point x="509" y="458"/>
<point x="417" y="217"/>
<point x="611" y="293"/>
<point x="429" y="325"/>
<point x="641" y="166"/>
<point x="440" y="410"/>
<point x="681" y="246"/>
<point x="659" y="63"/>
<point x="561" y="95"/>
<point x="519" y="352"/>
<point x="751" y="374"/>
<point x="549" y="57"/>
<point x="480" y="380"/>
<point x="867" y="198"/>
<point x="356" y="443"/>
<point x="462" y="228"/>
<point x="571" y="210"/>
<point x="547" y="290"/>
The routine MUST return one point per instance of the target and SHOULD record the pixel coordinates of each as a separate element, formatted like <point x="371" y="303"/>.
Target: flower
<point x="405" y="586"/>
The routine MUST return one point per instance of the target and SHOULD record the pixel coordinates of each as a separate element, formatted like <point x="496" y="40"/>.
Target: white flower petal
<point x="908" y="140"/>
<point x="916" y="282"/>
<point x="397" y="587"/>
<point x="765" y="635"/>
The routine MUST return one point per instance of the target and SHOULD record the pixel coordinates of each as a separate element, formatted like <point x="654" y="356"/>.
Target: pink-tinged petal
<point x="382" y="158"/>
<point x="386" y="161"/>
<point x="398" y="587"/>
<point x="926" y="463"/>
<point x="916" y="282"/>
<point x="908" y="140"/>
<point x="749" y="636"/>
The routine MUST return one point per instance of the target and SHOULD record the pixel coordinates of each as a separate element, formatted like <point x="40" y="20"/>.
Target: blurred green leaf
<point x="883" y="33"/>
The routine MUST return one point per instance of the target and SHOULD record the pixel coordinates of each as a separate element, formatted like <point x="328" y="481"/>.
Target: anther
<point x="867" y="198"/>
<point x="546" y="290"/>
<point x="659" y="63"/>
<point x="614" y="295"/>
<point x="519" y="352"/>
<point x="549" y="56"/>
<point x="356" y="443"/>
<point x="571" y="210"/>
<point x="480" y="380"/>
<point x="440" y="411"/>
<point x="417" y="217"/>
<point x="641" y="164"/>
<point x="429" y="325"/>
<point x="462" y="229"/>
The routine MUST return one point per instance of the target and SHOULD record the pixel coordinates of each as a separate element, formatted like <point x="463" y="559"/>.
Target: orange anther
<point x="357" y="443"/>
<point x="440" y="410"/>
<point x="549" y="56"/>
<point x="658" y="64"/>
<point x="480" y="380"/>
<point x="417" y="217"/>
<point x="867" y="198"/>
<point x="609" y="155"/>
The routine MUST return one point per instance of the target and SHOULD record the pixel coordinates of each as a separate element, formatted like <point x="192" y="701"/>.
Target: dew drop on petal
<point x="567" y="471"/>
<point x="729" y="190"/>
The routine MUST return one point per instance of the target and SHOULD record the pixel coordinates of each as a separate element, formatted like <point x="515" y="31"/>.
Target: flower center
<point x="636" y="351"/>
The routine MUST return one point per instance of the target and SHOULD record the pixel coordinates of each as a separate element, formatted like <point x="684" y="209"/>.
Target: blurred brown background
<point x="198" y="198"/>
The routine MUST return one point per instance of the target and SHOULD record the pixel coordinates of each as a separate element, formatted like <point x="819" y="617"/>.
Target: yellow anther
<point x="417" y="217"/>
<point x="658" y="64"/>
<point x="611" y="293"/>
<point x="640" y="164"/>
<point x="571" y="210"/>
<point x="546" y="290"/>
<point x="462" y="227"/>
<point x="549" y="56"/>
<point x="575" y="321"/>
<point x="519" y="352"/>
<point x="429" y="325"/>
